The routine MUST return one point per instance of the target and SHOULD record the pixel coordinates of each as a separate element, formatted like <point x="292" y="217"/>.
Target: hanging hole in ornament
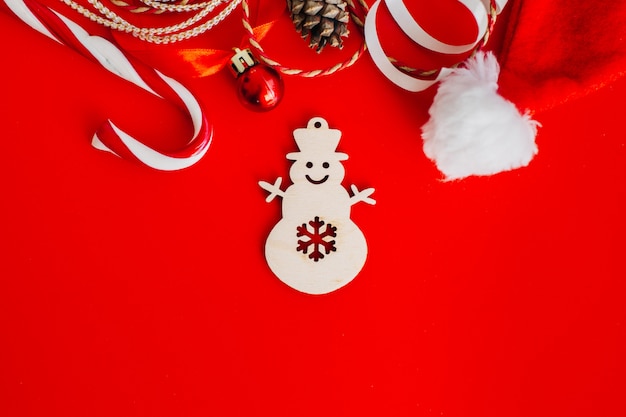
<point x="317" y="123"/>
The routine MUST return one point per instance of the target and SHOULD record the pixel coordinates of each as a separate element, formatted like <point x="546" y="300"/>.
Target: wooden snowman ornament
<point x="316" y="248"/>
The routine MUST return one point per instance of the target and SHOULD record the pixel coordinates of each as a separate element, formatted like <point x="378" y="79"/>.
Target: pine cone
<point x="325" y="21"/>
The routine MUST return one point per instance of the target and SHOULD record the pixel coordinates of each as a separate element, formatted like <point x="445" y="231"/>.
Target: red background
<point x="130" y="292"/>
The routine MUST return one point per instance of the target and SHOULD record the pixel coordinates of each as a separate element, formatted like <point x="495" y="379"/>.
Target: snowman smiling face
<point x="323" y="169"/>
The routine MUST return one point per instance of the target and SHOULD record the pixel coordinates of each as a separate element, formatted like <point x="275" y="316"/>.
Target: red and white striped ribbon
<point x="479" y="10"/>
<point x="109" y="137"/>
<point x="409" y="25"/>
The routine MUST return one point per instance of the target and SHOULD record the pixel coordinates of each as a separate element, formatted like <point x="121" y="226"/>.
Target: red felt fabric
<point x="560" y="50"/>
<point x="130" y="292"/>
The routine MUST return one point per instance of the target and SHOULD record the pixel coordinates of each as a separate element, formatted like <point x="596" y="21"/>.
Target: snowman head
<point x="317" y="163"/>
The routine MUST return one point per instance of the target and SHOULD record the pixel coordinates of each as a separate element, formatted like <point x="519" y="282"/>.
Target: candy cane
<point x="109" y="137"/>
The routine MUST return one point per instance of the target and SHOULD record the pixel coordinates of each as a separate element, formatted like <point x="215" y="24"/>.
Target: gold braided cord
<point x="158" y="7"/>
<point x="157" y="35"/>
<point x="260" y="52"/>
<point x="179" y="32"/>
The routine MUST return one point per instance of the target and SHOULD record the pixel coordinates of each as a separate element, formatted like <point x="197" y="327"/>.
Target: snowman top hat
<point x="317" y="139"/>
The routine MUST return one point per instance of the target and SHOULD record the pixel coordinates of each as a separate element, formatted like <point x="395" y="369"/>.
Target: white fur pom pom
<point x="472" y="129"/>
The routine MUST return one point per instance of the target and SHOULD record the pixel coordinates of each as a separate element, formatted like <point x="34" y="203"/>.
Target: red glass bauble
<point x="260" y="88"/>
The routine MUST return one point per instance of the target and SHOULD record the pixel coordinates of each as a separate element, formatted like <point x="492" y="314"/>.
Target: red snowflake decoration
<point x="316" y="238"/>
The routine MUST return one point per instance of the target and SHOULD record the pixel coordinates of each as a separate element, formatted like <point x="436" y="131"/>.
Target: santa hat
<point x="549" y="51"/>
